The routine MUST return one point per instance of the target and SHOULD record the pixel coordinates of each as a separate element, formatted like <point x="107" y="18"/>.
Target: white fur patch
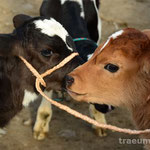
<point x="116" y="34"/>
<point x="51" y="28"/>
<point x="80" y="2"/>
<point x="28" y="98"/>
<point x="99" y="25"/>
<point x="113" y="36"/>
<point x="89" y="56"/>
<point x="63" y="1"/>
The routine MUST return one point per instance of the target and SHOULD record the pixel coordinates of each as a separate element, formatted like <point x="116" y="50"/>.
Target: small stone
<point x="2" y="132"/>
<point x="67" y="133"/>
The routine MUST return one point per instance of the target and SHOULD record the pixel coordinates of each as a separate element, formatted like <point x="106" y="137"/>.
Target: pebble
<point x="67" y="133"/>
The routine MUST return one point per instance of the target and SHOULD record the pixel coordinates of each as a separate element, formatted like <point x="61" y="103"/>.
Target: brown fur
<point x="129" y="86"/>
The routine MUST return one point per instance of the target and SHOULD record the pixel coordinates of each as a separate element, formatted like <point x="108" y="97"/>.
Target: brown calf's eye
<point x="111" y="68"/>
<point x="46" y="52"/>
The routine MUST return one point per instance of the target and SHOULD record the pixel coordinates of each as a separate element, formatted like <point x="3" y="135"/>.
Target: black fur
<point x="15" y="78"/>
<point x="69" y="16"/>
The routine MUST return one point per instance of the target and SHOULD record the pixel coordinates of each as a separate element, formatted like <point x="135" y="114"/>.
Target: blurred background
<point x="67" y="132"/>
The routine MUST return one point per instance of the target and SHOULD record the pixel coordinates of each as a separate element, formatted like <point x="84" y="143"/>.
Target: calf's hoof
<point x="41" y="127"/>
<point x="100" y="132"/>
<point x="40" y="135"/>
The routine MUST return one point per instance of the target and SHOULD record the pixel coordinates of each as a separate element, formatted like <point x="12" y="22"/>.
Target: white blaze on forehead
<point x="51" y="28"/>
<point x="116" y="34"/>
<point x="80" y="2"/>
<point x="113" y="36"/>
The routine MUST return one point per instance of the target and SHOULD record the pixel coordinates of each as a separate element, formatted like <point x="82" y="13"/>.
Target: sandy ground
<point x="67" y="132"/>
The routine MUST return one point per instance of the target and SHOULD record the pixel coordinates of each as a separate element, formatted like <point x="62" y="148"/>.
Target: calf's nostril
<point x="69" y="80"/>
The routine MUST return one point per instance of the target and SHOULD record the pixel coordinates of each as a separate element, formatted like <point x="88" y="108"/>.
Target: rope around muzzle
<point x="40" y="80"/>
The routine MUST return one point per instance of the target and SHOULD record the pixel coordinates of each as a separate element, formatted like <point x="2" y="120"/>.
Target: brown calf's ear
<point x="20" y="19"/>
<point x="146" y="65"/>
<point x="146" y="58"/>
<point x="147" y="32"/>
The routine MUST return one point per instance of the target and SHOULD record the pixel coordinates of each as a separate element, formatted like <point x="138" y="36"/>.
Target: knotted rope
<point x="40" y="80"/>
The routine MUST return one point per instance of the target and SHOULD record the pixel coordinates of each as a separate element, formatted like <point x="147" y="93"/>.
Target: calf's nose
<point x="69" y="80"/>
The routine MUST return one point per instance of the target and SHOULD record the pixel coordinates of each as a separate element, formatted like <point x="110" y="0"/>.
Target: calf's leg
<point x="99" y="117"/>
<point x="43" y="118"/>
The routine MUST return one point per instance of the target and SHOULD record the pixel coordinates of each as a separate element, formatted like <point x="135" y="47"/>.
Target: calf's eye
<point x="111" y="68"/>
<point x="46" y="52"/>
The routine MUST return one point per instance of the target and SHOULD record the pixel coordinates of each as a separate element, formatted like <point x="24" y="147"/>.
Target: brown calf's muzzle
<point x="76" y="82"/>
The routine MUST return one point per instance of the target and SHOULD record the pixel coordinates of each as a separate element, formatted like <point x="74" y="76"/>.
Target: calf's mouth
<point x="75" y="93"/>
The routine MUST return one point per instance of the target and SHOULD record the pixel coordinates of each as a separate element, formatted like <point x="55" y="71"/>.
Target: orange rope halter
<point x="39" y="80"/>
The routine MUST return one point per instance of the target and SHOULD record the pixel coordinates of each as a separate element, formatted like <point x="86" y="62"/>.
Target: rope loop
<point x="39" y="80"/>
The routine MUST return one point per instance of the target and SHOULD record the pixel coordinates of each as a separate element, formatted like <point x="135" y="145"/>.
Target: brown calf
<point x="118" y="74"/>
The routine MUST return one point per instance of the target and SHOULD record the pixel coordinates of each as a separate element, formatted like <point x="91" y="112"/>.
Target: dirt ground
<point x="67" y="132"/>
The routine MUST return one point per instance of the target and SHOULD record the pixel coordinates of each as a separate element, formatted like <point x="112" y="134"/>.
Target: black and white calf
<point x="87" y="9"/>
<point x="81" y="19"/>
<point x="44" y="43"/>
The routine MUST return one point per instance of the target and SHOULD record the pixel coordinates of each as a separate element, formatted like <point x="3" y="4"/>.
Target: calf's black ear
<point x="20" y="19"/>
<point x="6" y="45"/>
